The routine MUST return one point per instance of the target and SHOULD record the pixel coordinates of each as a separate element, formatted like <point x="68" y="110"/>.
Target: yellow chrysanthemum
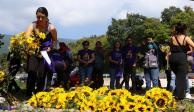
<point x="30" y="40"/>
<point x="41" y="35"/>
<point x="165" y="49"/>
<point x="2" y="74"/>
<point x="23" y="34"/>
<point x="13" y="40"/>
<point x="21" y="42"/>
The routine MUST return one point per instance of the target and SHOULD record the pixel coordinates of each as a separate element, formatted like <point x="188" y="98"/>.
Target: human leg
<point x="112" y="78"/>
<point x="155" y="76"/>
<point x="147" y="78"/>
<point x="133" y="78"/>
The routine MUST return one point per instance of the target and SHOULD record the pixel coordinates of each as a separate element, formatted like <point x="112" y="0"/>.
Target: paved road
<point x="107" y="79"/>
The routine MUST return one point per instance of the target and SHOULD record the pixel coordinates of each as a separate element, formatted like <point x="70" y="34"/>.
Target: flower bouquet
<point x="165" y="48"/>
<point x="22" y="46"/>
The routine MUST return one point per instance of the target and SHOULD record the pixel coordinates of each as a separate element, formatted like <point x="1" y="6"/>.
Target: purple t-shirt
<point x="129" y="55"/>
<point x="116" y="56"/>
<point x="85" y="55"/>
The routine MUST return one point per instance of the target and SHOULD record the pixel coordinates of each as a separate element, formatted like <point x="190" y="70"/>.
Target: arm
<point x="190" y="42"/>
<point x="80" y="60"/>
<point x="92" y="58"/>
<point x="112" y="61"/>
<point x="190" y="51"/>
<point x="29" y="30"/>
<point x="54" y="36"/>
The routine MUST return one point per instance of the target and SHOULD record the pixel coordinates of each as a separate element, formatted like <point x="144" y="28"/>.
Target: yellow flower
<point x="91" y="106"/>
<point x="121" y="107"/>
<point x="140" y="108"/>
<point x="23" y="34"/>
<point x="13" y="40"/>
<point x="130" y="106"/>
<point x="30" y="40"/>
<point x="139" y="99"/>
<point x="101" y="91"/>
<point x="32" y="102"/>
<point x="2" y="74"/>
<point x="148" y="102"/>
<point x="21" y="42"/>
<point x="174" y="105"/>
<point x="160" y="103"/>
<point x="149" y="109"/>
<point x="41" y="35"/>
<point x="113" y="109"/>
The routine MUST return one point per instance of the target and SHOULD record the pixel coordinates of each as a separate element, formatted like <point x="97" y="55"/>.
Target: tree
<point x="168" y="13"/>
<point x="186" y="17"/>
<point x="155" y="29"/>
<point x="1" y="37"/>
<point x="131" y="26"/>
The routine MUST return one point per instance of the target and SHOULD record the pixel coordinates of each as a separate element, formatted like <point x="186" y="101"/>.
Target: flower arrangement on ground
<point x="4" y="82"/>
<point x="103" y="99"/>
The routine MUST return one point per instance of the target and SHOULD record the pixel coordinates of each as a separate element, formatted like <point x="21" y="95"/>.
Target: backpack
<point x="150" y="60"/>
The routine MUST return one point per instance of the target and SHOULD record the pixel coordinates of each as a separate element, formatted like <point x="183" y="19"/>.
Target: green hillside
<point x="5" y="40"/>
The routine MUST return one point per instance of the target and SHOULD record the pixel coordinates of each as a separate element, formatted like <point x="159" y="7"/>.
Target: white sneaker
<point x="188" y="96"/>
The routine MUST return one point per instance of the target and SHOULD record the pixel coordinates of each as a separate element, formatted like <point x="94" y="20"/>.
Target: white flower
<point x="2" y="99"/>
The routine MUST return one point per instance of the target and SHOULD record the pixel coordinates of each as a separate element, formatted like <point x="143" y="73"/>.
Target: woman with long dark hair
<point x="36" y="67"/>
<point x="178" y="58"/>
<point x="116" y="65"/>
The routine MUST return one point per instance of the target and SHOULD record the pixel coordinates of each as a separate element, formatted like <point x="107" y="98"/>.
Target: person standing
<point x="36" y="66"/>
<point x="151" y="73"/>
<point x="98" y="66"/>
<point x="178" y="58"/>
<point x="14" y="66"/>
<point x="86" y="59"/>
<point x="129" y="52"/>
<point x="116" y="65"/>
<point x="65" y="52"/>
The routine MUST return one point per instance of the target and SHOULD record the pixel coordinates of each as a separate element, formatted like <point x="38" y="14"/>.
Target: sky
<point x="75" y="19"/>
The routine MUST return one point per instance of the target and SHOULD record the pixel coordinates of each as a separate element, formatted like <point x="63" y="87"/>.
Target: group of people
<point x="122" y="61"/>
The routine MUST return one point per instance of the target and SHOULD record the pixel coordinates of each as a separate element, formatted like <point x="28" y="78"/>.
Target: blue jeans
<point x="172" y="80"/>
<point x="85" y="72"/>
<point x="114" y="79"/>
<point x="151" y="74"/>
<point x="187" y="85"/>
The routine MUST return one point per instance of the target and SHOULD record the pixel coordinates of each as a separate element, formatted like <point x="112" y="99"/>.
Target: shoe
<point x="188" y="96"/>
